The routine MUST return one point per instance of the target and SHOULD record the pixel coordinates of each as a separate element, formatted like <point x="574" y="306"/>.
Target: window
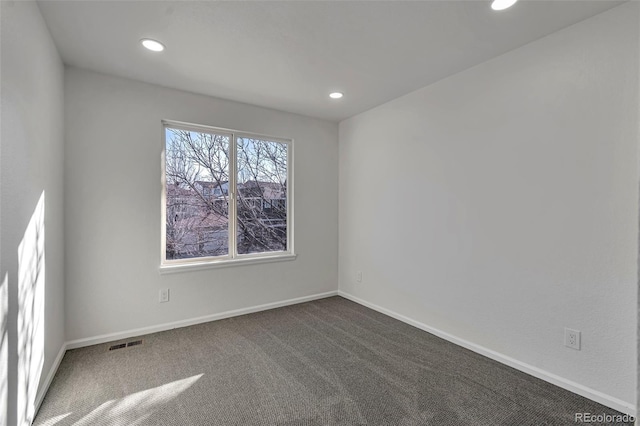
<point x="226" y="196"/>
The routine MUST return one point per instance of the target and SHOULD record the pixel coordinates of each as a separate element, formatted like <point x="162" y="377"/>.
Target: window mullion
<point x="233" y="247"/>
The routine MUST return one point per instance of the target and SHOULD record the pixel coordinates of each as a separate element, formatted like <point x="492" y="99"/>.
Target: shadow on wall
<point x="22" y="329"/>
<point x="4" y="349"/>
<point x="31" y="282"/>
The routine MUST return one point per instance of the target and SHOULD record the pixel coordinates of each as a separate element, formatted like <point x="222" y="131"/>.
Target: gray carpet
<point x="327" y="362"/>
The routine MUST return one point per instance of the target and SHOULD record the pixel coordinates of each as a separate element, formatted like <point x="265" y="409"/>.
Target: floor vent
<point x="125" y="345"/>
<point x="120" y="346"/>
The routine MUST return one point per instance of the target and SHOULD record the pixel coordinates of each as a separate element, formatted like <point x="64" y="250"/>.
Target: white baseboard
<point x="604" y="399"/>
<point x="89" y="341"/>
<point x="52" y="372"/>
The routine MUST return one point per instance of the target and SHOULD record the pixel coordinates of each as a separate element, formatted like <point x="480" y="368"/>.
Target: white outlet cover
<point x="572" y="338"/>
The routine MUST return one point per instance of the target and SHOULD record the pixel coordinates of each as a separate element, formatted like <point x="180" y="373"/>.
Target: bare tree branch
<point x="197" y="175"/>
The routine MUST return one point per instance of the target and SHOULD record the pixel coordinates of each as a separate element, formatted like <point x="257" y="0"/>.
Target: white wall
<point x="31" y="163"/>
<point x="112" y="183"/>
<point x="500" y="205"/>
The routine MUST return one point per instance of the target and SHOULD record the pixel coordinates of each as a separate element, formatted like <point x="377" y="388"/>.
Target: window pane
<point x="262" y="196"/>
<point x="197" y="179"/>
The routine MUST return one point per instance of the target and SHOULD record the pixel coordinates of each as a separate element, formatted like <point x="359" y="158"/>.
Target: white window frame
<point x="233" y="257"/>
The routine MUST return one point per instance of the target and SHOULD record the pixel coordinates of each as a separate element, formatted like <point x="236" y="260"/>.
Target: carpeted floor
<point x="327" y="362"/>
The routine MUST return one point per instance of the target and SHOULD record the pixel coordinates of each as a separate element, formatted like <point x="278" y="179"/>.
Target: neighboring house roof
<point x="207" y="184"/>
<point x="175" y="190"/>
<point x="255" y="183"/>
<point x="254" y="188"/>
<point x="270" y="190"/>
<point x="203" y="221"/>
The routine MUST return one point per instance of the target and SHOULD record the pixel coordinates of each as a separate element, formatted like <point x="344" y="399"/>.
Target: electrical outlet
<point x="359" y="276"/>
<point x="164" y="295"/>
<point x="572" y="338"/>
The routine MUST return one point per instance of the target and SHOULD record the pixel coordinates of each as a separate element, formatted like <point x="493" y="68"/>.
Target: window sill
<point x="212" y="264"/>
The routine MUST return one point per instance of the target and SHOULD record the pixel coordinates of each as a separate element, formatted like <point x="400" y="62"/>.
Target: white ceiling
<point x="289" y="55"/>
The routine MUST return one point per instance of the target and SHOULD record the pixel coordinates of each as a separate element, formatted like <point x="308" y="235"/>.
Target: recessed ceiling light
<point x="335" y="95"/>
<point x="154" y="46"/>
<point x="502" y="4"/>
